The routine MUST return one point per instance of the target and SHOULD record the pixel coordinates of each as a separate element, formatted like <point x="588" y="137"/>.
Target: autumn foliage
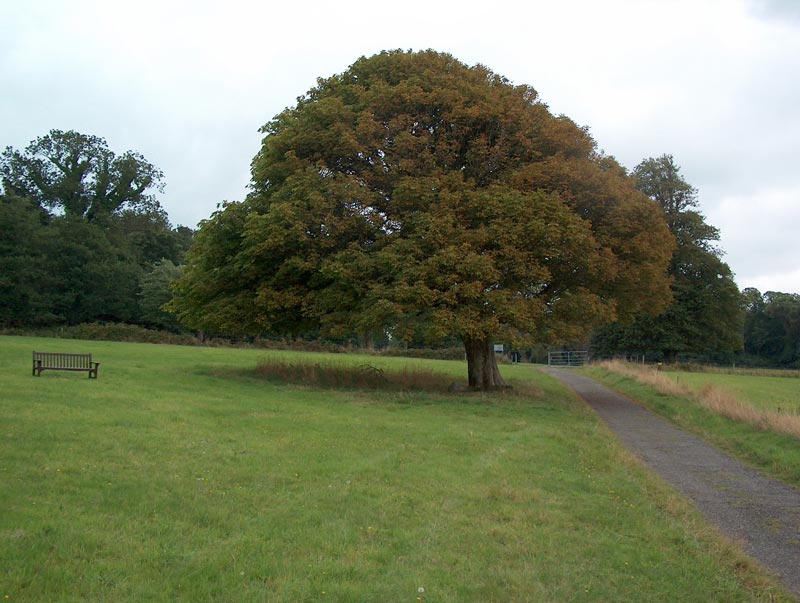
<point x="418" y="196"/>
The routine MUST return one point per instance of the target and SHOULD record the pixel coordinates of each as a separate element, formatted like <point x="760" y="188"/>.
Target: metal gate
<point x="567" y="358"/>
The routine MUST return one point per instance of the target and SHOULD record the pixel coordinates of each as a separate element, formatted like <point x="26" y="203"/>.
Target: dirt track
<point x="761" y="513"/>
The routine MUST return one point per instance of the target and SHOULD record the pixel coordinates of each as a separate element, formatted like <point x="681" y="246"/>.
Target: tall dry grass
<point x="340" y="375"/>
<point x="712" y="397"/>
<point x="344" y="375"/>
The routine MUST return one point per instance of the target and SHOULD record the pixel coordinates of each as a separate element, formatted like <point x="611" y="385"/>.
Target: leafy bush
<point x="108" y="332"/>
<point x="427" y="353"/>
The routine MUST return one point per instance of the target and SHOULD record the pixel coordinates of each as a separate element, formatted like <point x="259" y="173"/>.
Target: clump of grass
<point x="723" y="402"/>
<point x="712" y="397"/>
<point x="333" y="375"/>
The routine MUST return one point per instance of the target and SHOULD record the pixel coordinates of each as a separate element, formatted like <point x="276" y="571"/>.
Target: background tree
<point x="418" y="195"/>
<point x="22" y="267"/>
<point x="87" y="279"/>
<point x="155" y="292"/>
<point x="706" y="316"/>
<point x="79" y="176"/>
<point x="149" y="237"/>
<point x="772" y="327"/>
<point x="79" y="230"/>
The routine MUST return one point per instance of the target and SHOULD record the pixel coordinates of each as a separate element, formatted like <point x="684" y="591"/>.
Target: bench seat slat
<point x="56" y="361"/>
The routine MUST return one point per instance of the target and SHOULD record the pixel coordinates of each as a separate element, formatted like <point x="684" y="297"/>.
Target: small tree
<point x="416" y="194"/>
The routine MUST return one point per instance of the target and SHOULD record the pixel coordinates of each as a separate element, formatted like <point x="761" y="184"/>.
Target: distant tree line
<point x="82" y="236"/>
<point x="84" y="239"/>
<point x="709" y="319"/>
<point x="772" y="327"/>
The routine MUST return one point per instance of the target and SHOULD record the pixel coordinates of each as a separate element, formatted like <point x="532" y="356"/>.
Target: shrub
<point x="109" y="332"/>
<point x="456" y="353"/>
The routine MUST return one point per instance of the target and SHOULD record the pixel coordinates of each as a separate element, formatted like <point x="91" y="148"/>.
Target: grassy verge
<point x="738" y="370"/>
<point x="775" y="393"/>
<point x="751" y="441"/>
<point x="182" y="475"/>
<point x="721" y="399"/>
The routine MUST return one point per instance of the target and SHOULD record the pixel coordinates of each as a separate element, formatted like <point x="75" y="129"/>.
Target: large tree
<point x="416" y="195"/>
<point x="707" y="312"/>
<point x="79" y="176"/>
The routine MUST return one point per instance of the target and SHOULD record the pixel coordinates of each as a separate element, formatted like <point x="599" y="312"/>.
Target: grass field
<point x="180" y="475"/>
<point x="768" y="392"/>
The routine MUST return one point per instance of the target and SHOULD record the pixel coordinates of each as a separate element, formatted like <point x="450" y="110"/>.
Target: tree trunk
<point x="482" y="365"/>
<point x="367" y="339"/>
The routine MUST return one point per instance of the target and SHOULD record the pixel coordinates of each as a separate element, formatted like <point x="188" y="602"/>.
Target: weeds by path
<point x="712" y="397"/>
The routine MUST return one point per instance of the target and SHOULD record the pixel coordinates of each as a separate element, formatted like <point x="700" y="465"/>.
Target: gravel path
<point x="761" y="513"/>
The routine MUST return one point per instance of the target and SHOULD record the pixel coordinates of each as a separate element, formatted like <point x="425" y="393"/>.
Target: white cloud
<point x="785" y="282"/>
<point x="759" y="233"/>
<point x="188" y="84"/>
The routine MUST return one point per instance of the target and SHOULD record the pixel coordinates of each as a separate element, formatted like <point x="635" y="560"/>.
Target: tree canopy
<point x="772" y="327"/>
<point x="80" y="230"/>
<point x="79" y="176"/>
<point x="416" y="195"/>
<point x="706" y="315"/>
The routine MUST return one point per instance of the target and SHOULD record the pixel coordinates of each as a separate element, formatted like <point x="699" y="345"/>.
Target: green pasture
<point x="766" y="392"/>
<point x="179" y="475"/>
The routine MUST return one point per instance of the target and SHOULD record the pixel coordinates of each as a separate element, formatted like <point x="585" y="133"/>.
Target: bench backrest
<point x="66" y="361"/>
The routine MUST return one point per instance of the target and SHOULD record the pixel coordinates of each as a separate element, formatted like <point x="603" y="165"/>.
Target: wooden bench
<point x="55" y="361"/>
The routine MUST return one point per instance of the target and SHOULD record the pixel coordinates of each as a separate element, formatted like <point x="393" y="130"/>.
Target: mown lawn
<point x="180" y="476"/>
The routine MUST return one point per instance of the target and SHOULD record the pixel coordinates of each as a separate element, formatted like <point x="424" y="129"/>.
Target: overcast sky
<point x="715" y="83"/>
